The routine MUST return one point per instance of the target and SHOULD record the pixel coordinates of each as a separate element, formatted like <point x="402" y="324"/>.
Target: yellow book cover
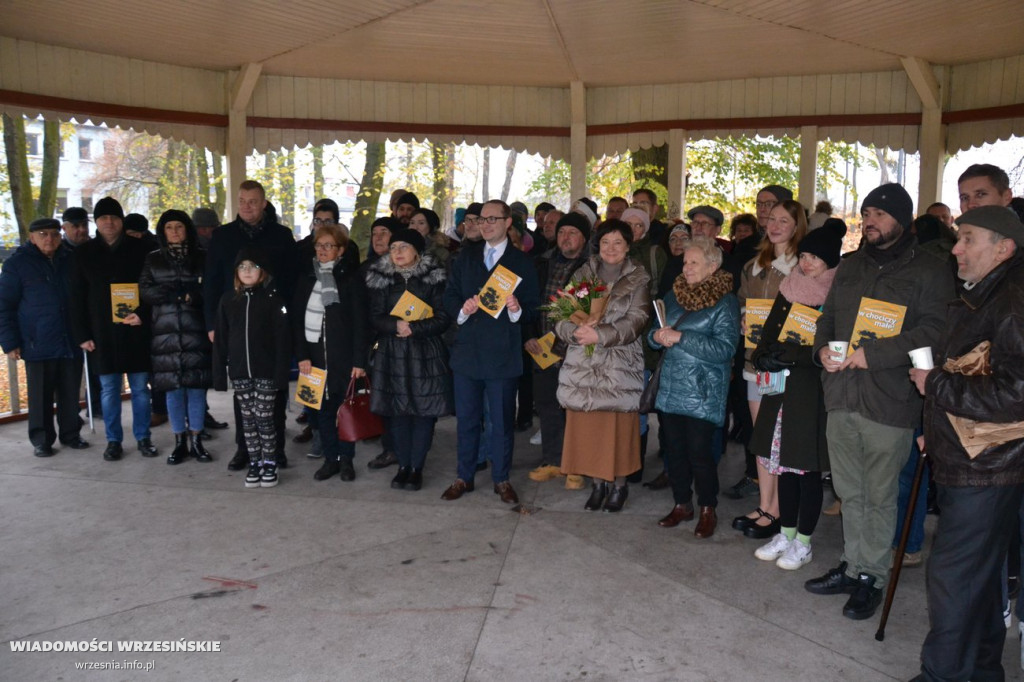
<point x="876" y="320"/>
<point x="497" y="289"/>
<point x="124" y="299"/>
<point x="800" y="325"/>
<point x="309" y="389"/>
<point x="545" y="358"/>
<point x="411" y="308"/>
<point x="756" y="314"/>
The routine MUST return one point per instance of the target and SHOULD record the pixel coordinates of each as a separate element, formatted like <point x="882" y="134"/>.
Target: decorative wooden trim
<point x="89" y="108"/>
<point x="86" y="108"/>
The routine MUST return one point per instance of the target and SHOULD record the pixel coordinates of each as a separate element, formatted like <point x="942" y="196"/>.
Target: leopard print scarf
<point x="704" y="294"/>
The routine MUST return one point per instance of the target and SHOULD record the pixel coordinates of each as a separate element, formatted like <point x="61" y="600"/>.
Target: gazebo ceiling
<point x="529" y="42"/>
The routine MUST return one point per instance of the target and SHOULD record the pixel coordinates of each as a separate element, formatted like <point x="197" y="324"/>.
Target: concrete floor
<point x="355" y="581"/>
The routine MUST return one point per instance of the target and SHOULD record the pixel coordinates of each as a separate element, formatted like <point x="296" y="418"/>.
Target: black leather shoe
<point x="742" y="522"/>
<point x="659" y="482"/>
<point x="180" y="452"/>
<point x="348" y="472"/>
<point x="210" y="423"/>
<point x="415" y="481"/>
<point x="282" y="459"/>
<point x="304" y="436"/>
<point x="834" y="582"/>
<point x="384" y="459"/>
<point x="401" y="478"/>
<point x="113" y="452"/>
<point x="865" y="599"/>
<point x="481" y="466"/>
<point x="205" y="435"/>
<point x="616" y="498"/>
<point x="239" y="461"/>
<point x="147" y="449"/>
<point x="328" y="469"/>
<point x="198" y="450"/>
<point x="524" y="425"/>
<point x="42" y="451"/>
<point x="746" y="487"/>
<point x="759" y="532"/>
<point x="598" y="490"/>
<point x="76" y="444"/>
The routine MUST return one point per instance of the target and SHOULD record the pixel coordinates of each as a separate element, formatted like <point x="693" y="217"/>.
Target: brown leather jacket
<point x="993" y="310"/>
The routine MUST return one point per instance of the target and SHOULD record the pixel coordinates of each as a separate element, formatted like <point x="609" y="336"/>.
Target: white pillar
<point x="677" y="141"/>
<point x="237" y="147"/>
<point x="577" y="140"/>
<point x="931" y="141"/>
<point x="808" y="166"/>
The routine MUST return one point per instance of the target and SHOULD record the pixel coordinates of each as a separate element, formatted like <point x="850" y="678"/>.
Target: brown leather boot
<point x="706" y="525"/>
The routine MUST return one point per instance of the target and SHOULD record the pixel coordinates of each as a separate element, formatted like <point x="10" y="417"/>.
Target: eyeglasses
<point x="248" y="267"/>
<point x="469" y="219"/>
<point x="326" y="247"/>
<point x="765" y="204"/>
<point x="490" y="220"/>
<point x="702" y="223"/>
<point x="324" y="222"/>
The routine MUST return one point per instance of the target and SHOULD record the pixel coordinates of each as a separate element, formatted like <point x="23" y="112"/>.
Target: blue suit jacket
<point x="485" y="347"/>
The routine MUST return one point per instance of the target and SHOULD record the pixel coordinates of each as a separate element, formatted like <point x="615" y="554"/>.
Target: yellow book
<point x="496" y="290"/>
<point x="124" y="300"/>
<point x="545" y="358"/>
<point x="800" y="325"/>
<point x="309" y="389"/>
<point x="876" y="320"/>
<point x="411" y="308"/>
<point x="756" y="313"/>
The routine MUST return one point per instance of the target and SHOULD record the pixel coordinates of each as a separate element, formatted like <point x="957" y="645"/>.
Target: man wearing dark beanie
<point x="407" y="204"/>
<point x="553" y="272"/>
<point x="872" y="408"/>
<point x="114" y="348"/>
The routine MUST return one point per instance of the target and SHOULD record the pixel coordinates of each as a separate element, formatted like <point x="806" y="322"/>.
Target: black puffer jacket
<point x="992" y="311"/>
<point x="181" y="348"/>
<point x="409" y="375"/>
<point x="252" y="338"/>
<point x="344" y="337"/>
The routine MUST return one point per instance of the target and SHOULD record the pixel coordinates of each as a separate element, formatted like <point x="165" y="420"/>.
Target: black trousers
<point x="552" y="416"/>
<point x="49" y="381"/>
<point x="965" y="604"/>
<point x="688" y="458"/>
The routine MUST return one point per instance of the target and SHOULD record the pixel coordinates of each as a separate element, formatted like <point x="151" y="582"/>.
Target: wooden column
<point x="237" y="147"/>
<point x="578" y="141"/>
<point x="932" y="135"/>
<point x="677" y="141"/>
<point x="808" y="166"/>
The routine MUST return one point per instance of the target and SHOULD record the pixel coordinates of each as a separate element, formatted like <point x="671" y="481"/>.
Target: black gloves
<point x="768" y="358"/>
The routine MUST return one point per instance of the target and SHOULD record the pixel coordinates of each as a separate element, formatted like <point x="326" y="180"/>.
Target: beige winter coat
<point x="612" y="379"/>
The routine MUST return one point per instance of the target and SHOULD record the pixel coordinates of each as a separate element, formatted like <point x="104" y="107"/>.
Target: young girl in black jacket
<point x="251" y="342"/>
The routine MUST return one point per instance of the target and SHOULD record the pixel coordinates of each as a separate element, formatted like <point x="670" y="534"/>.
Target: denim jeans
<point x="187" y="403"/>
<point x="111" y="401"/>
<point x="916" y="538"/>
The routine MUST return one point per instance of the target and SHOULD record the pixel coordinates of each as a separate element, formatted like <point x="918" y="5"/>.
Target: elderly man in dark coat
<point x="974" y="434"/>
<point x="34" y="327"/>
<point x="115" y="347"/>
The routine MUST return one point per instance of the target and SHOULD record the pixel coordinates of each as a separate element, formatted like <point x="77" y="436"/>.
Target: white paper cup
<point x="921" y="358"/>
<point x="837" y="349"/>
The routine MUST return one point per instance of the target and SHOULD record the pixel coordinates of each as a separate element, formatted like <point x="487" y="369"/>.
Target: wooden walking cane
<point x="897" y="560"/>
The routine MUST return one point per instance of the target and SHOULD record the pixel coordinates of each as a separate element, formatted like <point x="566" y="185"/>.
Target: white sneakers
<point x="536" y="439"/>
<point x="797" y="554"/>
<point x="787" y="554"/>
<point x="775" y="548"/>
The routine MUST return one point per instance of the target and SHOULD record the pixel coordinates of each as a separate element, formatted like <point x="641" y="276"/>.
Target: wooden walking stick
<point x="897" y="559"/>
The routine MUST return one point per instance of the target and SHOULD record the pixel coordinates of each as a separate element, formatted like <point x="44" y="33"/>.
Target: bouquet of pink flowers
<point x="582" y="301"/>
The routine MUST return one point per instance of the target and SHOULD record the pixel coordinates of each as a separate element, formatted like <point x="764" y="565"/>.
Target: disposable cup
<point x="837" y="349"/>
<point x="921" y="358"/>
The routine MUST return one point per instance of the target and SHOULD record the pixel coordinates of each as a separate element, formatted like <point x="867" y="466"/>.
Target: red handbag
<point x="355" y="421"/>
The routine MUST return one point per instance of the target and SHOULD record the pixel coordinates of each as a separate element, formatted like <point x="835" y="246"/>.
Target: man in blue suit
<point x="487" y="360"/>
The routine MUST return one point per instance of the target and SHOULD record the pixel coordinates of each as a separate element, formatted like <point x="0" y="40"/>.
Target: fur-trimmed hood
<point x="382" y="272"/>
